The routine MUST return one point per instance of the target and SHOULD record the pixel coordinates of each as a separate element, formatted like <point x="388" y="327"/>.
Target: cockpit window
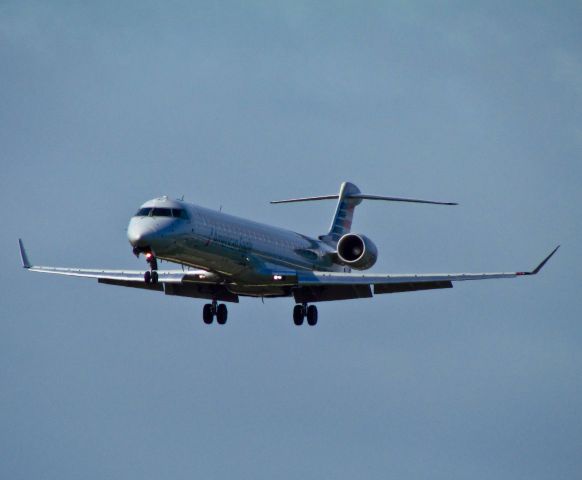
<point x="143" y="212"/>
<point x="161" y="212"/>
<point x="179" y="213"/>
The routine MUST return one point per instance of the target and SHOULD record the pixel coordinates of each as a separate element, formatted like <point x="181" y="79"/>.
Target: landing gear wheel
<point x="207" y="314"/>
<point x="312" y="315"/>
<point x="298" y="314"/>
<point x="221" y="314"/>
<point x="147" y="277"/>
<point x="154" y="277"/>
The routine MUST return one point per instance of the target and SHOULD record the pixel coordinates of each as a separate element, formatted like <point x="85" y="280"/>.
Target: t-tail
<point x="349" y="197"/>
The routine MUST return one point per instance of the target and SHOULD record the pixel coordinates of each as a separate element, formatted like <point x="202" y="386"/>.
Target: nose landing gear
<point x="213" y="309"/>
<point x="151" y="276"/>
<point x="151" y="259"/>
<point x="300" y="312"/>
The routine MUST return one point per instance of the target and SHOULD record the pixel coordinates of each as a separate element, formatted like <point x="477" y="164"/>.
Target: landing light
<point x="278" y="277"/>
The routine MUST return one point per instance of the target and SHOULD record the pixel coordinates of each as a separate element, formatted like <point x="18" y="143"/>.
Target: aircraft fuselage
<point x="245" y="252"/>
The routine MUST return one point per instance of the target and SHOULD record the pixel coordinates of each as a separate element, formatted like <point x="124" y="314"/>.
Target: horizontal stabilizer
<point x="349" y="197"/>
<point x="362" y="196"/>
<point x="399" y="199"/>
<point x="306" y="199"/>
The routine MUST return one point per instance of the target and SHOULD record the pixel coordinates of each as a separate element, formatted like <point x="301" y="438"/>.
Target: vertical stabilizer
<point x="344" y="213"/>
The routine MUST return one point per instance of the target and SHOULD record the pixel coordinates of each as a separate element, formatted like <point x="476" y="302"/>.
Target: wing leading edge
<point x="186" y="282"/>
<point x="165" y="276"/>
<point x="314" y="286"/>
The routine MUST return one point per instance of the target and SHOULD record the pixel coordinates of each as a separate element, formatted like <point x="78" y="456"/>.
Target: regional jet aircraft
<point x="223" y="257"/>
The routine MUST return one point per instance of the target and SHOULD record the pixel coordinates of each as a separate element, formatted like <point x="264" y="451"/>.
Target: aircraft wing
<point x="165" y="276"/>
<point x="187" y="283"/>
<point x="322" y="286"/>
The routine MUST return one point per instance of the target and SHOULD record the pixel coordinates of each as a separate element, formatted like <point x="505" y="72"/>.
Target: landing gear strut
<point x="213" y="309"/>
<point x="151" y="276"/>
<point x="151" y="259"/>
<point x="300" y="312"/>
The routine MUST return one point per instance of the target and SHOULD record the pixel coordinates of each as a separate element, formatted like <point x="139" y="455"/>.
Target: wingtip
<point x="541" y="265"/>
<point x="23" y="256"/>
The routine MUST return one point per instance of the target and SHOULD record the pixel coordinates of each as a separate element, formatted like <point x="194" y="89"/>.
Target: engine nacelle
<point x="356" y="251"/>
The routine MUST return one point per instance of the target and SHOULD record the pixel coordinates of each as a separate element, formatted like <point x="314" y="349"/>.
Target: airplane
<point x="223" y="258"/>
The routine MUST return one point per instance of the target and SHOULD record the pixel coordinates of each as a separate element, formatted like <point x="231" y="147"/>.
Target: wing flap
<point x="324" y="293"/>
<point x="201" y="290"/>
<point x="134" y="284"/>
<point x="409" y="287"/>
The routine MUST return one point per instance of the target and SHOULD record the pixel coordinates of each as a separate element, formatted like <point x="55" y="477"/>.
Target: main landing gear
<point x="300" y="312"/>
<point x="213" y="309"/>
<point x="151" y="276"/>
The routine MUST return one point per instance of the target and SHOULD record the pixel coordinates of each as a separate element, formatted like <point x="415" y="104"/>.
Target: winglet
<point x="541" y="265"/>
<point x="25" y="262"/>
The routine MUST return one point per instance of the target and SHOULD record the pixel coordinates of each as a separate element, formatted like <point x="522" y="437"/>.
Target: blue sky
<point x="108" y="104"/>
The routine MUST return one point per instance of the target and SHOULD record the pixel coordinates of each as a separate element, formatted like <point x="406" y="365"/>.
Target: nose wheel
<point x="151" y="277"/>
<point x="211" y="310"/>
<point x="301" y="312"/>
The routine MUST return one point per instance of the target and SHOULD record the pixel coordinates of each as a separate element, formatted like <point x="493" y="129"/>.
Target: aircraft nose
<point x="140" y="234"/>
